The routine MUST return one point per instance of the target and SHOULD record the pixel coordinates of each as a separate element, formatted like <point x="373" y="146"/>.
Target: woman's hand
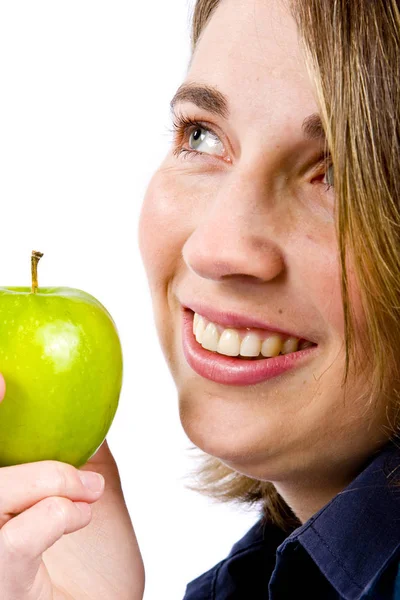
<point x="40" y="503"/>
<point x="103" y="560"/>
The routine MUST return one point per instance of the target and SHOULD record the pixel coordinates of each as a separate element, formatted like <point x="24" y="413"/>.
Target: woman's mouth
<point x="239" y="356"/>
<point x="244" y="343"/>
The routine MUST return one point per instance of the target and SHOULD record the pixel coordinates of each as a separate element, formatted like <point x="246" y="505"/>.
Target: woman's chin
<point x="230" y="434"/>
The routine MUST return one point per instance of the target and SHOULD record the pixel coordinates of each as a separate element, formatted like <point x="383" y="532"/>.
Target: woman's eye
<point x="329" y="176"/>
<point x="203" y="140"/>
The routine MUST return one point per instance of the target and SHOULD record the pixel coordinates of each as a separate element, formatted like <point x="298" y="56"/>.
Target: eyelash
<point x="183" y="127"/>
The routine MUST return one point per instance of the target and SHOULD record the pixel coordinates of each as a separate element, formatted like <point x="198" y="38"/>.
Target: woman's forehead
<point x="251" y="52"/>
<point x="262" y="32"/>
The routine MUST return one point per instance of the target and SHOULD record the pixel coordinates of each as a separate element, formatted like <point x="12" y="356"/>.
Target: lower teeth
<point x="259" y="357"/>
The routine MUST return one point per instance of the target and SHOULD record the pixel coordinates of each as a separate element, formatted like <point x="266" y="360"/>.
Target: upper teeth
<point x="229" y="342"/>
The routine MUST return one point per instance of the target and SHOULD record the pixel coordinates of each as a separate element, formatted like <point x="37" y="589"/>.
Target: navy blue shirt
<point x="349" y="550"/>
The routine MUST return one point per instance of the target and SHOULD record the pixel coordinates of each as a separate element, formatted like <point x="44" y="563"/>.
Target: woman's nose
<point x="235" y="236"/>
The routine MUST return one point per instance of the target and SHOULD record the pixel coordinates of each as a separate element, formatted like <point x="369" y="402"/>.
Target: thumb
<point x="2" y="387"/>
<point x="103" y="462"/>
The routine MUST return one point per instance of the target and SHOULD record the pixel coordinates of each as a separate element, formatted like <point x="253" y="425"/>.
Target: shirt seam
<point x="321" y="539"/>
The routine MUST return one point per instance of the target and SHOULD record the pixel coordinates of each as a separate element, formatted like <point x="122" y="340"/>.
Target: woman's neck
<point x="305" y="501"/>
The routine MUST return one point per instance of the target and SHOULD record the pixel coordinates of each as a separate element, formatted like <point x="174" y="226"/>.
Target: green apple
<point x="61" y="358"/>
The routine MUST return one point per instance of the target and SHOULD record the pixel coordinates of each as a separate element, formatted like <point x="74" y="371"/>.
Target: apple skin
<point x="61" y="358"/>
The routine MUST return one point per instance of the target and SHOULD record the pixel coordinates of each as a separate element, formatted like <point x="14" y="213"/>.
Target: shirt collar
<point x="353" y="538"/>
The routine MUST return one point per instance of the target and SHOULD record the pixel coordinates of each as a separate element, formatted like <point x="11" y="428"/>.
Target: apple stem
<point x="36" y="256"/>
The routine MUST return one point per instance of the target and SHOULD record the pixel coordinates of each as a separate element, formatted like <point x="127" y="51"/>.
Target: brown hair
<point x="352" y="50"/>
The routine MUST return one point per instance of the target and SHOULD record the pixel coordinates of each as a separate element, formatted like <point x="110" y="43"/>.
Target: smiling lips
<point x="241" y="335"/>
<point x="236" y="369"/>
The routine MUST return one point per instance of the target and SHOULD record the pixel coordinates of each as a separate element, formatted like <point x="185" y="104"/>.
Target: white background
<point x="85" y="87"/>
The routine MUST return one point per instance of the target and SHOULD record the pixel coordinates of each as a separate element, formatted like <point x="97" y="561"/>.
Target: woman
<point x="275" y="285"/>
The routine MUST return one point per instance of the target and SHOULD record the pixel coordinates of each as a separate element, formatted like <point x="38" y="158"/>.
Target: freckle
<point x="280" y="311"/>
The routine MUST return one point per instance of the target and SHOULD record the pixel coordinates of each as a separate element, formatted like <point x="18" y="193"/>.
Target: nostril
<point x="220" y="254"/>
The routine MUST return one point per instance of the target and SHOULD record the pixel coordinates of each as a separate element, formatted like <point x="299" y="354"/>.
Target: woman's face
<point x="244" y="225"/>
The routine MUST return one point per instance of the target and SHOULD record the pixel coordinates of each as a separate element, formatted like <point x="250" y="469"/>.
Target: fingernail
<point x="92" y="481"/>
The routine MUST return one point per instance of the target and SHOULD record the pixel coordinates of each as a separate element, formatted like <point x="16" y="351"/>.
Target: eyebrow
<point x="313" y="128"/>
<point x="204" y="96"/>
<point x="214" y="101"/>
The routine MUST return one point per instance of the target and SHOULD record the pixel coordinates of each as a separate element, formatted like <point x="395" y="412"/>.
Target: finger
<point x="2" y="387"/>
<point x="22" y="486"/>
<point x="24" y="538"/>
<point x="104" y="462"/>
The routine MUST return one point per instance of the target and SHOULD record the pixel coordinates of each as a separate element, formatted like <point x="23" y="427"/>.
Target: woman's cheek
<point x="158" y="228"/>
<point x="162" y="233"/>
<point x="314" y="259"/>
<point x="175" y="201"/>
